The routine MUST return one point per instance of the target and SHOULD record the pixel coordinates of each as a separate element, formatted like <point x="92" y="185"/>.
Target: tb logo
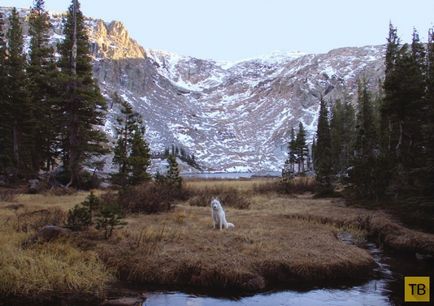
<point x="416" y="289"/>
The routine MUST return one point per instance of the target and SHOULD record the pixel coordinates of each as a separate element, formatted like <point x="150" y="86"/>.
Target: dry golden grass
<point x="240" y="185"/>
<point x="47" y="270"/>
<point x="42" y="201"/>
<point x="278" y="241"/>
<point x="267" y="247"/>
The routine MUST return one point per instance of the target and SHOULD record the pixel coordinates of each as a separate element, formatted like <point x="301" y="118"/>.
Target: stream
<point x="384" y="289"/>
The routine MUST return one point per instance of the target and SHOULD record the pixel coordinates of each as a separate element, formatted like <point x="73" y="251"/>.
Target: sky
<point x="230" y="30"/>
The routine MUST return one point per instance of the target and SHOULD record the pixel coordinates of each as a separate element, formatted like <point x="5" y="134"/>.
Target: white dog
<point x="218" y="215"/>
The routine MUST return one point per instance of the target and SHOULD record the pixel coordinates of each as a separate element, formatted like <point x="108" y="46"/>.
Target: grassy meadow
<point x="279" y="240"/>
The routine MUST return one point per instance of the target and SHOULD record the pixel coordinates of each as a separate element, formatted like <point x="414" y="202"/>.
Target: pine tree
<point x="126" y="122"/>
<point x="390" y="87"/>
<point x="131" y="153"/>
<point x="415" y="156"/>
<point x="5" y="133"/>
<point x="368" y="176"/>
<point x="323" y="162"/>
<point x="404" y="107"/>
<point x="336" y="134"/>
<point x="429" y="118"/>
<point x="83" y="105"/>
<point x="139" y="157"/>
<point x="17" y="110"/>
<point x="43" y="75"/>
<point x="301" y="148"/>
<point x="288" y="168"/>
<point x="313" y="154"/>
<point x="172" y="177"/>
<point x="366" y="137"/>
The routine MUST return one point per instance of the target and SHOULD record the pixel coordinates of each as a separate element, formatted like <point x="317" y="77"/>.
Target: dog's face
<point x="215" y="204"/>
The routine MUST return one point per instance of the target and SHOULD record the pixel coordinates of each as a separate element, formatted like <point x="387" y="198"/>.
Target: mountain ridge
<point x="232" y="116"/>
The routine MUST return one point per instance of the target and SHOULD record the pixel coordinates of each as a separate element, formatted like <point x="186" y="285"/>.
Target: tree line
<point x="52" y="110"/>
<point x="384" y="147"/>
<point x="50" y="107"/>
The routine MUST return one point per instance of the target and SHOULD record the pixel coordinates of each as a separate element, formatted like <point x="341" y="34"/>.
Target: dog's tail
<point x="230" y="225"/>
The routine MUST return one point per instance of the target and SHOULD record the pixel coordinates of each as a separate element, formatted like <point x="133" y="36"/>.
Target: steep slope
<point x="232" y="116"/>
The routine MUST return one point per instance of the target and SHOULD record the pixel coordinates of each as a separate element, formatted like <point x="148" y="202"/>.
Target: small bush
<point x="7" y="195"/>
<point x="92" y="203"/>
<point x="150" y="198"/>
<point x="296" y="185"/>
<point x="35" y="220"/>
<point x="86" y="179"/>
<point x="108" y="218"/>
<point x="89" y="181"/>
<point x="79" y="218"/>
<point x="60" y="191"/>
<point x="230" y="197"/>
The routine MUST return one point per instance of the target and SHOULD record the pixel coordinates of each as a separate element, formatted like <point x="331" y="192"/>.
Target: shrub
<point x="108" y="218"/>
<point x="7" y="195"/>
<point x="87" y="180"/>
<point x="92" y="203"/>
<point x="35" y="220"/>
<point x="230" y="197"/>
<point x="296" y="185"/>
<point x="79" y="218"/>
<point x="150" y="198"/>
<point x="60" y="191"/>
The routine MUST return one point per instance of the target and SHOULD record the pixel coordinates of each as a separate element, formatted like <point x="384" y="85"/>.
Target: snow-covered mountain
<point x="231" y="116"/>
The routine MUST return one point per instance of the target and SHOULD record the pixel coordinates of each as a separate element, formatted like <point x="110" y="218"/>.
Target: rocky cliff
<point x="231" y="116"/>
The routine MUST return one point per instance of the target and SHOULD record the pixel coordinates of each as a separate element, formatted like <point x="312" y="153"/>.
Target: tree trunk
<point x="16" y="146"/>
<point x="398" y="146"/>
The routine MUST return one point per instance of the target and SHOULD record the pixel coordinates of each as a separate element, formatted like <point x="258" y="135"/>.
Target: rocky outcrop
<point x="112" y="41"/>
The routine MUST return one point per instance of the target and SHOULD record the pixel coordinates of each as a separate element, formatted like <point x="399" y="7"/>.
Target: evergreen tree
<point x="291" y="160"/>
<point x="139" y="157"/>
<point x="429" y="118"/>
<point x="301" y="148"/>
<point x="390" y="86"/>
<point x="342" y="132"/>
<point x="172" y="177"/>
<point x="83" y="105"/>
<point x="368" y="175"/>
<point x="366" y="134"/>
<point x="403" y="107"/>
<point x="131" y="153"/>
<point x="336" y="134"/>
<point x="43" y="75"/>
<point x="313" y="156"/>
<point x="126" y="123"/>
<point x="17" y="111"/>
<point x="323" y="162"/>
<point x="5" y="133"/>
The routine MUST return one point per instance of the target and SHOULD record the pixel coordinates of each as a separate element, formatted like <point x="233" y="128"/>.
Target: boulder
<point x="46" y="234"/>
<point x="34" y="186"/>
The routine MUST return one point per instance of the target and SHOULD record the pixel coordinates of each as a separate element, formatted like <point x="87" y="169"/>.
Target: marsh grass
<point x="8" y="195"/>
<point x="279" y="240"/>
<point x="49" y="269"/>
<point x="297" y="185"/>
<point x="228" y="196"/>
<point x="192" y="253"/>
